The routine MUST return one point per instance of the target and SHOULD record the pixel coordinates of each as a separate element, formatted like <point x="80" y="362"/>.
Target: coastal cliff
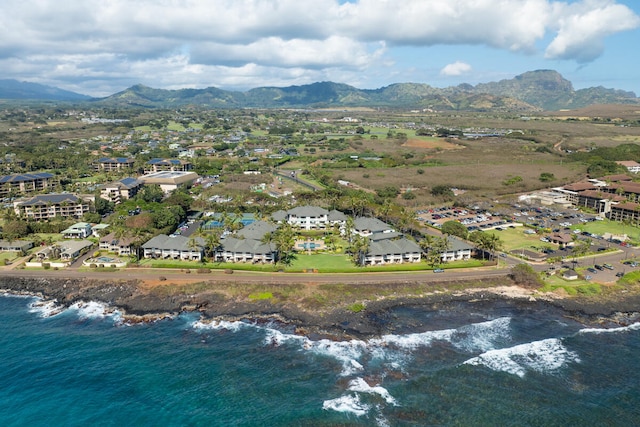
<point x="141" y="303"/>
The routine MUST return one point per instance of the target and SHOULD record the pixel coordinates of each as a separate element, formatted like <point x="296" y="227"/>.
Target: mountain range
<point x="531" y="91"/>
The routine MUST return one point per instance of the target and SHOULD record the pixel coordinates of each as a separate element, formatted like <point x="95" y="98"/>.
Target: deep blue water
<point x="499" y="365"/>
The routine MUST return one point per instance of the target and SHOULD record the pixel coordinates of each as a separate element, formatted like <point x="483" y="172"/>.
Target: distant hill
<point x="548" y="90"/>
<point x="14" y="89"/>
<point x="532" y="91"/>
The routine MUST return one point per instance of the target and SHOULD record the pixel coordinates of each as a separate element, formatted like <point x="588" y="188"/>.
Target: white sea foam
<point x="361" y="386"/>
<point x="96" y="310"/>
<point x="346" y="352"/>
<point x="541" y="356"/>
<point x="350" y="404"/>
<point x="633" y="327"/>
<point x="45" y="308"/>
<point x="413" y="341"/>
<point x="482" y="336"/>
<point x="219" y="325"/>
<point x="475" y="337"/>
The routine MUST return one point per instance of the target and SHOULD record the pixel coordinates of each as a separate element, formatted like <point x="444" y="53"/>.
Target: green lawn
<point x="515" y="238"/>
<point x="323" y="263"/>
<point x="607" y="226"/>
<point x="572" y="287"/>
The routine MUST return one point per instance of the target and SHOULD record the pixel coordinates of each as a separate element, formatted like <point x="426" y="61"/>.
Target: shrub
<point x="203" y="270"/>
<point x="261" y="296"/>
<point x="356" y="307"/>
<point x="93" y="265"/>
<point x="46" y="265"/>
<point x="162" y="278"/>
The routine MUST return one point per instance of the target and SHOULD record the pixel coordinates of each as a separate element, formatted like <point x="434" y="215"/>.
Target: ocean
<point x="468" y="365"/>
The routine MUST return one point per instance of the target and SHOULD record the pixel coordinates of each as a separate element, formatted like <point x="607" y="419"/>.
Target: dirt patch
<point x="431" y="144"/>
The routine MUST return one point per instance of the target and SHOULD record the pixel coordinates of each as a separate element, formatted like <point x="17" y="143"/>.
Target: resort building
<point x="366" y="226"/>
<point x="113" y="164"/>
<point x="174" y="247"/>
<point x="121" y="190"/>
<point x="49" y="206"/>
<point x="248" y="246"/>
<point x="392" y="251"/>
<point x="632" y="166"/>
<point x="169" y="180"/>
<point x="27" y="183"/>
<point x="304" y="217"/>
<point x="173" y="165"/>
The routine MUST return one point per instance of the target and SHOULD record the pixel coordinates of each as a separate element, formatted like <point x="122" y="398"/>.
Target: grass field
<point x="613" y="227"/>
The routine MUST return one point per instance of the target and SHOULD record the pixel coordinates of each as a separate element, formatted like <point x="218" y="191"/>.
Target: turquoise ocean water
<point x="498" y="365"/>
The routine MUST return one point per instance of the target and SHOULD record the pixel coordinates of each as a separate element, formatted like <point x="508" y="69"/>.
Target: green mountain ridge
<point x="532" y="91"/>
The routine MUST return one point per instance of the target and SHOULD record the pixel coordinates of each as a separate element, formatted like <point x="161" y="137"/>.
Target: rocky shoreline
<point x="139" y="305"/>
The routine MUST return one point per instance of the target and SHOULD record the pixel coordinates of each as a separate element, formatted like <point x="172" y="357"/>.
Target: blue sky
<point x="99" y="47"/>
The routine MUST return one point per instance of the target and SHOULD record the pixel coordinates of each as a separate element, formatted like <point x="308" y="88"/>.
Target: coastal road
<point x="173" y="275"/>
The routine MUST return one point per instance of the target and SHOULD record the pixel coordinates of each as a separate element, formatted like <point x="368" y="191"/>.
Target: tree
<point x="388" y="192"/>
<point x="525" y="275"/>
<point x="348" y="231"/>
<point x="285" y="242"/>
<point x="103" y="206"/>
<point x="15" y="229"/>
<point x="443" y="191"/>
<point x="151" y="193"/>
<point x="439" y="246"/>
<point x="546" y="177"/>
<point x="454" y="228"/>
<point x="360" y="247"/>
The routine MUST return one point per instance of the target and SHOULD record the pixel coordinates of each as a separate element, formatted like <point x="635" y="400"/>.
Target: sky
<point x="100" y="47"/>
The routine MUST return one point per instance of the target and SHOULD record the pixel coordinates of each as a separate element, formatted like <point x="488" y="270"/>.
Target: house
<point x="79" y="230"/>
<point x="65" y="250"/>
<point x="570" y="275"/>
<point x="174" y="247"/>
<point x="120" y="190"/>
<point x="46" y="206"/>
<point x="111" y="164"/>
<point x="119" y="245"/>
<point x="392" y="251"/>
<point x="561" y="239"/>
<point x="169" y="180"/>
<point x="98" y="229"/>
<point x="26" y="183"/>
<point x="15" y="245"/>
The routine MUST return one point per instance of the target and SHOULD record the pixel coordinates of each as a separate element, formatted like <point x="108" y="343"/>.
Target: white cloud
<point x="204" y="43"/>
<point x="582" y="28"/>
<point x="458" y="68"/>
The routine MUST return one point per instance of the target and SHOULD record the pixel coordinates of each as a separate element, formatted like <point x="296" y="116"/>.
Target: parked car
<point x="608" y="266"/>
<point x="438" y="270"/>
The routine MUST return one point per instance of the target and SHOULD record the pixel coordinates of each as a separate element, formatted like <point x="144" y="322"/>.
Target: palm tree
<point x="426" y="243"/>
<point x="285" y="242"/>
<point x="359" y="249"/>
<point x="349" y="230"/>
